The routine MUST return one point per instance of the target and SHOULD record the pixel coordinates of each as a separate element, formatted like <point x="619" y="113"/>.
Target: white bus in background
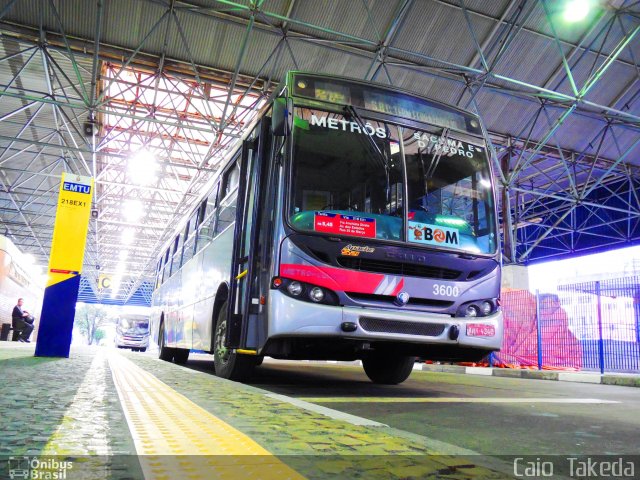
<point x="132" y="332"/>
<point x="17" y="280"/>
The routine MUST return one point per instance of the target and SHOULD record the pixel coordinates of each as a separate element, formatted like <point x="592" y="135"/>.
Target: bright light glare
<point x="133" y="210"/>
<point x="115" y="286"/>
<point x="127" y="236"/>
<point x="485" y="183"/>
<point x="123" y="255"/>
<point x="29" y="259"/>
<point x="577" y="10"/>
<point x="142" y="167"/>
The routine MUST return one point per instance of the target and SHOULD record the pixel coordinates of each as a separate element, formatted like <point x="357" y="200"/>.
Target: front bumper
<point x="295" y="318"/>
<point x="125" y="342"/>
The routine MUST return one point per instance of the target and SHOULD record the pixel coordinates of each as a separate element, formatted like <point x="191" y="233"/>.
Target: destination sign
<point x="379" y="99"/>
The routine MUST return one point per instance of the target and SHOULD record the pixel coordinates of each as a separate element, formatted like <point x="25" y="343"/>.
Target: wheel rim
<point x="221" y="351"/>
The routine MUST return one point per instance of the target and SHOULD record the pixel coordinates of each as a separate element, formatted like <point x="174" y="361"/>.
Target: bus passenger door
<point x="244" y="294"/>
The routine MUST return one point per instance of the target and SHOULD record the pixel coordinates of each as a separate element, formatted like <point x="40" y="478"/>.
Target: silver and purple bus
<point x="353" y="221"/>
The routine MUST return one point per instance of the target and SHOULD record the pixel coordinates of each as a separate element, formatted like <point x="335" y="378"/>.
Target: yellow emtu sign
<point x="65" y="265"/>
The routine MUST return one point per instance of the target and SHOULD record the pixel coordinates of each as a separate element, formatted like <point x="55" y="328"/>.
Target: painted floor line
<point x="329" y="412"/>
<point x="89" y="397"/>
<point x="453" y="400"/>
<point x="172" y="434"/>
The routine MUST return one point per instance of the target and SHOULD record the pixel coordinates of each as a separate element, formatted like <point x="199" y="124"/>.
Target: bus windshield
<point x="348" y="179"/>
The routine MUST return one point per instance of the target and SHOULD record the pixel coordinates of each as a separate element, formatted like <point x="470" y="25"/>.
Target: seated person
<point x="22" y="322"/>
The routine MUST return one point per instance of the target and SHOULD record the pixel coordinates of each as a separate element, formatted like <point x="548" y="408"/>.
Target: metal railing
<point x="591" y="325"/>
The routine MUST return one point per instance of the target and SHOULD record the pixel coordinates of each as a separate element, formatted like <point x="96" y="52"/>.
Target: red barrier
<point x="560" y="348"/>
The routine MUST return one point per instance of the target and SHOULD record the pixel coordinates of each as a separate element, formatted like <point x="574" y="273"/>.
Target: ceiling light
<point x="127" y="236"/>
<point x="577" y="10"/>
<point x="142" y="167"/>
<point x="133" y="210"/>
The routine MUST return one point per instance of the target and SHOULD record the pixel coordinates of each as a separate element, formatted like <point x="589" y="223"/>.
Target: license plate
<point x="480" y="330"/>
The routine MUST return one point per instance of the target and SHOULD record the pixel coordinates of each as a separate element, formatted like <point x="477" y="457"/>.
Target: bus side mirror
<point x="282" y="117"/>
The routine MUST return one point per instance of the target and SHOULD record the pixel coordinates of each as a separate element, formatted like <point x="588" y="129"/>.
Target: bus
<point x="132" y="331"/>
<point x="353" y="221"/>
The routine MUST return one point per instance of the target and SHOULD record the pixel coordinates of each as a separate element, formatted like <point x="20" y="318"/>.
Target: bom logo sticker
<point x="439" y="235"/>
<point x="432" y="235"/>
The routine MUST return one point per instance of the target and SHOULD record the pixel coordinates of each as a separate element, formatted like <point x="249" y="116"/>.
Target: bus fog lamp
<point x="486" y="307"/>
<point x="295" y="288"/>
<point x="471" y="311"/>
<point x="316" y="294"/>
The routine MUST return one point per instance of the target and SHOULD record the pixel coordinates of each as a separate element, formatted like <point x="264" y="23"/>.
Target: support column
<point x="509" y="249"/>
<point x="65" y="265"/>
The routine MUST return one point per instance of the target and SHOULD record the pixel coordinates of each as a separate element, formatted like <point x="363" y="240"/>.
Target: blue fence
<point x="605" y="317"/>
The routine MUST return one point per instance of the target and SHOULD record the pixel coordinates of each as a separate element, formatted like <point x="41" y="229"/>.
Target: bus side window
<point x="189" y="238"/>
<point x="226" y="213"/>
<point x="158" y="273"/>
<point x="206" y="220"/>
<point x="176" y="252"/>
<point x="165" y="268"/>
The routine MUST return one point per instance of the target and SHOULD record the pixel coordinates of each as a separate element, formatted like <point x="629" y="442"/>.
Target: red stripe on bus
<point x="334" y="278"/>
<point x="398" y="288"/>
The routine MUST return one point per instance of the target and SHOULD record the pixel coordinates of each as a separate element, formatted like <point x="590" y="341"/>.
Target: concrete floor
<point x="323" y="420"/>
<point x="489" y="415"/>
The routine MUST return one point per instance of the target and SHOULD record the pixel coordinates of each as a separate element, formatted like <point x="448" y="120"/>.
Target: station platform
<point x="107" y="413"/>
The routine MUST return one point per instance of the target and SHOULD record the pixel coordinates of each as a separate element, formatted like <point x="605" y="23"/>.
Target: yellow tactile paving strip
<point x="176" y="438"/>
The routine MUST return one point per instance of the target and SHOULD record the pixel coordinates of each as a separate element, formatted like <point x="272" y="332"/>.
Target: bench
<point x="6" y="329"/>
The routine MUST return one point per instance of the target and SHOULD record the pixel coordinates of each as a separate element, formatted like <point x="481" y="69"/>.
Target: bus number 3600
<point x="445" y="290"/>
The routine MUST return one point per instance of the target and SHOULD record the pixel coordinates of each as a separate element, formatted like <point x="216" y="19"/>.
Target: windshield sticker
<point x="354" y="250"/>
<point x="339" y="224"/>
<point x="347" y="126"/>
<point x="445" y="146"/>
<point x="433" y="235"/>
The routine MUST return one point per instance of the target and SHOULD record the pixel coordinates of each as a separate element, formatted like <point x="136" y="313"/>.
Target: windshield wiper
<point x="437" y="156"/>
<point x="350" y="111"/>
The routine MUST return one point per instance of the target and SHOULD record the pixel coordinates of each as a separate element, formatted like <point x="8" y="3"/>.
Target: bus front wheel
<point x="227" y="363"/>
<point x="181" y="355"/>
<point x="164" y="353"/>
<point x="388" y="369"/>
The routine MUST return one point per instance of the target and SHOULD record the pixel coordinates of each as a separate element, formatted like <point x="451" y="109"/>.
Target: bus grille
<point x="398" y="268"/>
<point x="390" y="299"/>
<point x="381" y="325"/>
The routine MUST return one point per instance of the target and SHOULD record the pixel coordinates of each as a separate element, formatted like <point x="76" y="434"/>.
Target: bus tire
<point x="228" y="364"/>
<point x="181" y="355"/>
<point x="164" y="353"/>
<point x="388" y="369"/>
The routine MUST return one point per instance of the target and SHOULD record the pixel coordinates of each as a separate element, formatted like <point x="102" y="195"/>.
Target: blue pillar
<point x="600" y="340"/>
<point x="539" y="325"/>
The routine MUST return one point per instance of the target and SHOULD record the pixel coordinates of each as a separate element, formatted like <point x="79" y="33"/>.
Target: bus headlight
<point x="316" y="294"/>
<point x="295" y="288"/>
<point x="486" y="307"/>
<point x="478" y="308"/>
<point x="471" y="311"/>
